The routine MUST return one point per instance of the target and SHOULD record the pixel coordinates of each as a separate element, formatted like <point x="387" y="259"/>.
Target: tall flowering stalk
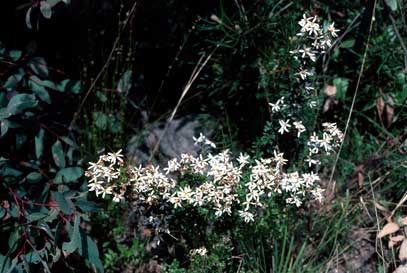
<point x="313" y="42"/>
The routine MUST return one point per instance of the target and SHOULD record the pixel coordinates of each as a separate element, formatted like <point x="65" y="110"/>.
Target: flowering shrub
<point x="228" y="183"/>
<point x="225" y="184"/>
<point x="220" y="186"/>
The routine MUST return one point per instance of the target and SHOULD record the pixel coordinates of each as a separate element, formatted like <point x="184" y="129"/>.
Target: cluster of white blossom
<point x="222" y="188"/>
<point x="104" y="175"/>
<point x="202" y="139"/>
<point x="198" y="251"/>
<point x="331" y="140"/>
<point x="316" y="40"/>
<point x="276" y="107"/>
<point x="285" y="126"/>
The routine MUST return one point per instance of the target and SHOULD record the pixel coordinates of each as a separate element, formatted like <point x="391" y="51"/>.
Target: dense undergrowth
<point x="277" y="188"/>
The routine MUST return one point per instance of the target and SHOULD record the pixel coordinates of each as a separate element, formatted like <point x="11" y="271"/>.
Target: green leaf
<point x="56" y="256"/>
<point x="44" y="83"/>
<point x="69" y="86"/>
<point x="40" y="91"/>
<point x="4" y="113"/>
<point x="124" y="83"/>
<point x="74" y="244"/>
<point x="347" y="44"/>
<point x="341" y="85"/>
<point x="13" y="124"/>
<point x="39" y="66"/>
<point x="36" y="257"/>
<point x="32" y="257"/>
<point x="401" y="78"/>
<point x="45" y="227"/>
<point x="102" y="97"/>
<point x="87" y="206"/>
<point x="114" y="124"/>
<point x="39" y="143"/>
<point x="13" y="239"/>
<point x="68" y="175"/>
<point x="93" y="254"/>
<point x="49" y="84"/>
<point x="58" y="154"/>
<point x="402" y="96"/>
<point x="89" y="250"/>
<point x="100" y="120"/>
<point x="35" y="216"/>
<point x="63" y="204"/>
<point x="13" y="81"/>
<point x="52" y="215"/>
<point x="6" y="124"/>
<point x="15" y="54"/>
<point x="5" y="263"/>
<point x="69" y="155"/>
<point x="34" y="177"/>
<point x="14" y="211"/>
<point x="28" y="18"/>
<point x="4" y="127"/>
<point x="392" y="4"/>
<point x="45" y="9"/>
<point x="76" y="87"/>
<point x="71" y="194"/>
<point x="21" y="102"/>
<point x="53" y="2"/>
<point x="7" y="171"/>
<point x="61" y="87"/>
<point x="69" y="141"/>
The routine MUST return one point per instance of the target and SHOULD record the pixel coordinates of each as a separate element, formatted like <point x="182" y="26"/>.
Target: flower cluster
<point x="316" y="40"/>
<point x="104" y="174"/>
<point x="285" y="127"/>
<point x="276" y="107"/>
<point x="331" y="139"/>
<point x="198" y="251"/>
<point x="222" y="188"/>
<point x="203" y="140"/>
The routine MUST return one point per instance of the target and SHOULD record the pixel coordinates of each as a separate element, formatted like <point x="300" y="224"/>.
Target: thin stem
<point x="362" y="67"/>
<point x="104" y="67"/>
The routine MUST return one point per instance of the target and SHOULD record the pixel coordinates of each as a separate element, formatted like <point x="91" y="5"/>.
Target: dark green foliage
<point x="41" y="198"/>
